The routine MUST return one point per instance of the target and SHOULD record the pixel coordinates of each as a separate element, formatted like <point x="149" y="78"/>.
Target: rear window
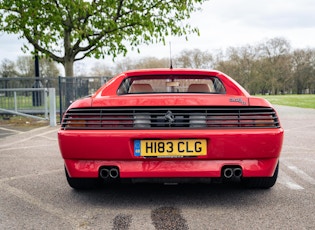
<point x="171" y="84"/>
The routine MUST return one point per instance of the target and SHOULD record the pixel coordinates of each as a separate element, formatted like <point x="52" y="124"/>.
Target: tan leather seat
<point x="199" y="88"/>
<point x="140" y="88"/>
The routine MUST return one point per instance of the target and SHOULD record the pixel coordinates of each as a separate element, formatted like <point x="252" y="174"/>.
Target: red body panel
<point x="171" y="168"/>
<point x="255" y="150"/>
<point x="169" y="100"/>
<point x="225" y="147"/>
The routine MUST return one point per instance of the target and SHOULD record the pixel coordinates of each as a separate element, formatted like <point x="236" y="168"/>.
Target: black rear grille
<point x="170" y="118"/>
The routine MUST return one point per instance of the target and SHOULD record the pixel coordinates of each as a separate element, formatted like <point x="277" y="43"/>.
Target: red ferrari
<point x="171" y="126"/>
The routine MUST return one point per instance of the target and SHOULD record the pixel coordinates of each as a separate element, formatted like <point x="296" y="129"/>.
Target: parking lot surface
<point x="4" y="132"/>
<point x="34" y="193"/>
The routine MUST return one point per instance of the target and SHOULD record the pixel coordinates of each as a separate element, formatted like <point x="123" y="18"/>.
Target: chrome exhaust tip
<point x="114" y="173"/>
<point x="237" y="172"/>
<point x="104" y="173"/>
<point x="227" y="173"/>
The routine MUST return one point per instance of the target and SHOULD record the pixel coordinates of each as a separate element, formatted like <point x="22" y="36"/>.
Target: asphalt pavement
<point x="4" y="132"/>
<point x="34" y="193"/>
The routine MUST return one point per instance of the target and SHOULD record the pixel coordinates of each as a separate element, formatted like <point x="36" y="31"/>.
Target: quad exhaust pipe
<point x="109" y="172"/>
<point x="232" y="172"/>
<point x="229" y="172"/>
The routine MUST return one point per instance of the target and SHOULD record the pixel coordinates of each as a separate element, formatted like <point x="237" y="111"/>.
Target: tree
<point x="124" y="64"/>
<point x="152" y="62"/>
<point x="195" y="59"/>
<point x="70" y="30"/>
<point x="7" y="69"/>
<point x="141" y="63"/>
<point x="101" y="69"/>
<point x="25" y="67"/>
<point x="241" y="65"/>
<point x="275" y="64"/>
<point x="303" y="70"/>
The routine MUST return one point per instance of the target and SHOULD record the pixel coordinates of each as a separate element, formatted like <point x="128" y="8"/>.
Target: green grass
<point x="301" y="100"/>
<point x="23" y="102"/>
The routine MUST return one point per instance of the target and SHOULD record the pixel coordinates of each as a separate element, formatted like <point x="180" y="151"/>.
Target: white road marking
<point x="27" y="147"/>
<point x="28" y="138"/>
<point x="287" y="181"/>
<point x="299" y="172"/>
<point x="10" y="130"/>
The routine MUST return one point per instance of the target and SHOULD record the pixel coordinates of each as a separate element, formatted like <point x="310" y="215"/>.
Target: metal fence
<point x="24" y="106"/>
<point x="68" y="89"/>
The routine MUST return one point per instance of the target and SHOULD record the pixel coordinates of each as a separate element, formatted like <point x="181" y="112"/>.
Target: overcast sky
<point x="225" y="23"/>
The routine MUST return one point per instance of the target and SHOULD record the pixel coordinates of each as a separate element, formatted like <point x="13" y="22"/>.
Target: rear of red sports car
<point x="171" y="125"/>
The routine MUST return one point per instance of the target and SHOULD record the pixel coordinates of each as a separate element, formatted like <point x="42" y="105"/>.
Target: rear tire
<point x="261" y="182"/>
<point x="82" y="183"/>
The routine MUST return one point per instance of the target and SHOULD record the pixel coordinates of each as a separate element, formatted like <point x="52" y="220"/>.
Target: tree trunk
<point x="69" y="86"/>
<point x="68" y="65"/>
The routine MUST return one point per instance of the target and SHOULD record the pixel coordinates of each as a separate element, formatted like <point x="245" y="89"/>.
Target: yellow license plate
<point x="183" y="147"/>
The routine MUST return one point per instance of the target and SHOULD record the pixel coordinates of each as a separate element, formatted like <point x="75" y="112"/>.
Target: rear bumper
<point x="221" y="144"/>
<point x="256" y="151"/>
<point x="171" y="168"/>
